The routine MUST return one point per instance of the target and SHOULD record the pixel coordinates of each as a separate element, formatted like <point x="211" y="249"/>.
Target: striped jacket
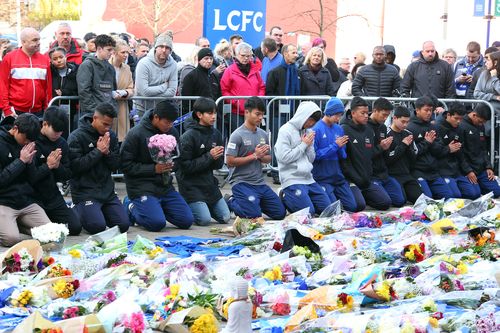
<point x="25" y="82"/>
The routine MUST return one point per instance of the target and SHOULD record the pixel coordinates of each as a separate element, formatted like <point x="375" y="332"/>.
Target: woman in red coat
<point x="242" y="78"/>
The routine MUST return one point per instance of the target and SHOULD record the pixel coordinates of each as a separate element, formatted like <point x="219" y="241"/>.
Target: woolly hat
<point x="163" y="40"/>
<point x="358" y="101"/>
<point x="334" y="106"/>
<point x="202" y="53"/>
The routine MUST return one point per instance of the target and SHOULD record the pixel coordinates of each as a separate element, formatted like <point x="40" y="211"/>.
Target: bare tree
<point x="157" y="15"/>
<point x="323" y="16"/>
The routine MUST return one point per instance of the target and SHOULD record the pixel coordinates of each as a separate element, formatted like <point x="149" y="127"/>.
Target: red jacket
<point x="25" y="82"/>
<point x="75" y="53"/>
<point x="234" y="83"/>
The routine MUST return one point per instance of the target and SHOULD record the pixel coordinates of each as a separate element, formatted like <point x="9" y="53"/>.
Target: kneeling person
<point x="201" y="152"/>
<point x="53" y="165"/>
<point x="247" y="150"/>
<point x="295" y="154"/>
<point x="93" y="149"/>
<point x="18" y="210"/>
<point x="152" y="199"/>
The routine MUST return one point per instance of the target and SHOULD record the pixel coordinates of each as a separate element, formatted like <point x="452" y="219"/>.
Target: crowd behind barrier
<point x="279" y="110"/>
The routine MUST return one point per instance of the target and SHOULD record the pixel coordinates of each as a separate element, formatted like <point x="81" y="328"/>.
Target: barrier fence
<point x="279" y="109"/>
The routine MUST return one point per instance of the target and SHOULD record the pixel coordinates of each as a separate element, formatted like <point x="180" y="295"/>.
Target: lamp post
<point x="488" y="17"/>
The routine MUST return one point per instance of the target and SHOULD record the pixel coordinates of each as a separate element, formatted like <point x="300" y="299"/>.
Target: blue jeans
<point x="250" y="201"/>
<point x="203" y="213"/>
<point x="152" y="212"/>
<point x="487" y="185"/>
<point x="95" y="216"/>
<point x="376" y="196"/>
<point x="297" y="197"/>
<point x="343" y="193"/>
<point x="436" y="188"/>
<point x="393" y="189"/>
<point x="461" y="187"/>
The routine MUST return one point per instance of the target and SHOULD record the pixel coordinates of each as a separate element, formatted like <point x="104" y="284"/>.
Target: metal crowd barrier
<point x="279" y="109"/>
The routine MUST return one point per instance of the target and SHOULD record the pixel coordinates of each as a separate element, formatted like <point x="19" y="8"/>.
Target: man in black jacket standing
<point x="53" y="165"/>
<point x="377" y="78"/>
<point x="429" y="149"/>
<point x="429" y="75"/>
<point x="201" y="152"/>
<point x="18" y="210"/>
<point x="358" y="167"/>
<point x="94" y="156"/>
<point x="152" y="199"/>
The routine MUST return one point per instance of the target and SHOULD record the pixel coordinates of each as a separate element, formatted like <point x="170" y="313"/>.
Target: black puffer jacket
<point x="196" y="165"/>
<point x="138" y="166"/>
<point x="434" y="78"/>
<point x="91" y="179"/>
<point x="319" y="83"/>
<point x="15" y="190"/>
<point x="46" y="179"/>
<point x="376" y="80"/>
<point x="426" y="163"/>
<point x="358" y="167"/>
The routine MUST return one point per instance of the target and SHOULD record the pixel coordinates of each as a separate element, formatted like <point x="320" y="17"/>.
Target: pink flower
<point x="135" y="322"/>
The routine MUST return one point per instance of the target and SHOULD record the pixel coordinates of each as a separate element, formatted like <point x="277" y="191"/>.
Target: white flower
<point x="26" y="259"/>
<point x="51" y="232"/>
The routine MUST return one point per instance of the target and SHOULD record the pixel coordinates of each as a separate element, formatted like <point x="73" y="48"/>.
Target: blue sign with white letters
<point x="223" y="18"/>
<point x="479" y="8"/>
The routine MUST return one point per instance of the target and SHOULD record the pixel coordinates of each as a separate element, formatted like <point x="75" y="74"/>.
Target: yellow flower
<point x="274" y="274"/>
<point x="225" y="307"/>
<point x="355" y="243"/>
<point x="433" y="322"/>
<point x="205" y="323"/>
<point x="318" y="236"/>
<point x="23" y="299"/>
<point x="174" y="290"/>
<point x="154" y="252"/>
<point x="462" y="268"/>
<point x="384" y="291"/>
<point x="407" y="328"/>
<point x="75" y="253"/>
<point x="63" y="289"/>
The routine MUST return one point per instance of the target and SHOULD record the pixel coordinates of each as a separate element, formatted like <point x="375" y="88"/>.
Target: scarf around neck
<point x="292" y="86"/>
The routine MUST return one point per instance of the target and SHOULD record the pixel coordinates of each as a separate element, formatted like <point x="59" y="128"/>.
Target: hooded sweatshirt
<point x="294" y="157"/>
<point x="391" y="49"/>
<point x="154" y="80"/>
<point x="358" y="167"/>
<point x="96" y="81"/>
<point x="91" y="179"/>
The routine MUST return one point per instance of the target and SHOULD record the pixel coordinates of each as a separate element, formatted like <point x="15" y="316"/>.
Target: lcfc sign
<point x="223" y="18"/>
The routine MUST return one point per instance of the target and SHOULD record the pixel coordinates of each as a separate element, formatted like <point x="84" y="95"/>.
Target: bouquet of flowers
<point x="133" y="323"/>
<point x="161" y="147"/>
<point x="25" y="257"/>
<point x="51" y="235"/>
<point x="414" y="252"/>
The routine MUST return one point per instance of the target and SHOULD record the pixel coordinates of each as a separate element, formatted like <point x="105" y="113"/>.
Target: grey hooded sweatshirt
<point x="294" y="157"/>
<point x="154" y="80"/>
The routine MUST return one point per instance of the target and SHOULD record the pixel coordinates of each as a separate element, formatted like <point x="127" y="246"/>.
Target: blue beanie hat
<point x="334" y="106"/>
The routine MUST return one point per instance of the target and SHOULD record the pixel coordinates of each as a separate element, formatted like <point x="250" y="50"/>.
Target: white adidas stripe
<point x="28" y="73"/>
